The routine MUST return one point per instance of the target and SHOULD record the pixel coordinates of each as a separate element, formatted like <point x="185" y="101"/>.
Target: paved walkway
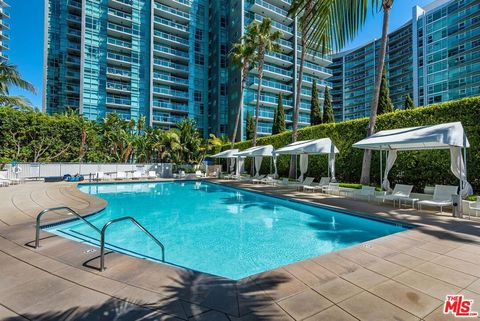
<point x="398" y="277"/>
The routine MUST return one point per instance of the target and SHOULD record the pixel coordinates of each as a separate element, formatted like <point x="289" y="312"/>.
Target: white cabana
<point x="257" y="152"/>
<point x="444" y="136"/>
<point x="311" y="147"/>
<point x="228" y="154"/>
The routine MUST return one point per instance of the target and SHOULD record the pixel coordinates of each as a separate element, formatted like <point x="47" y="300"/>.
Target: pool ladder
<point x="100" y="231"/>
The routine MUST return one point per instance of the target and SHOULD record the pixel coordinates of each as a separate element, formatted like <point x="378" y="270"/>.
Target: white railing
<point x="42" y="170"/>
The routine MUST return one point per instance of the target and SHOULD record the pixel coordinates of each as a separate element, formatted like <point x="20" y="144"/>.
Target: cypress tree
<point x="408" y="103"/>
<point x="384" y="102"/>
<point x="250" y="126"/>
<point x="315" y="112"/>
<point x="327" y="108"/>
<point x="279" y="125"/>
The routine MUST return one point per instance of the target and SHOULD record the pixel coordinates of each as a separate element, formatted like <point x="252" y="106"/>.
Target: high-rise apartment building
<point x="131" y="57"/>
<point x="168" y="59"/>
<point x="434" y="57"/>
<point x="4" y="26"/>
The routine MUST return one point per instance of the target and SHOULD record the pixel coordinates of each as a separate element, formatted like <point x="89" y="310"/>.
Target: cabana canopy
<point x="441" y="136"/>
<point x="257" y="151"/>
<point x="230" y="153"/>
<point x="310" y="147"/>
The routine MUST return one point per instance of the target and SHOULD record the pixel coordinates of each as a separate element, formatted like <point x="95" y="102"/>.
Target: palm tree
<point x="9" y="76"/>
<point x="304" y="21"/>
<point x="264" y="39"/>
<point x="242" y="56"/>
<point x="367" y="155"/>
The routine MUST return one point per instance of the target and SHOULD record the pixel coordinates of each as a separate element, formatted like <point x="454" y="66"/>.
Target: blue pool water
<point x="219" y="230"/>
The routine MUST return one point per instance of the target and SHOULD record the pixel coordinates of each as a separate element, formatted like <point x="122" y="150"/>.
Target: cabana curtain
<point x="392" y="157"/>
<point x="258" y="164"/>
<point x="303" y="166"/>
<point x="458" y="169"/>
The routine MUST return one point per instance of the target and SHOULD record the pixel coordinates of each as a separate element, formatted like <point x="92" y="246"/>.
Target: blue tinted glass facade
<point x="4" y="27"/>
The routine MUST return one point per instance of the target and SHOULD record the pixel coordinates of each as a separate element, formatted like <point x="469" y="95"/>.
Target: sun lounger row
<point x="5" y="182"/>
<point x="100" y="176"/>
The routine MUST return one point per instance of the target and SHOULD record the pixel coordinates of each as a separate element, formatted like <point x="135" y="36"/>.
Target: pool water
<point x="219" y="230"/>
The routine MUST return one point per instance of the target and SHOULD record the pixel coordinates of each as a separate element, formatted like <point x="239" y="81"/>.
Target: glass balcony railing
<point x="171" y="10"/>
<point x="119" y="72"/>
<point x="277" y="70"/>
<point x="270" y="7"/>
<point x="171" y="51"/>
<point x="120" y="28"/>
<point x="169" y="91"/>
<point x="127" y="2"/>
<point x="118" y="86"/>
<point x="72" y="88"/>
<point x="271" y="84"/>
<point x="269" y="98"/>
<point x="170" y="105"/>
<point x="118" y="100"/>
<point x="275" y="24"/>
<point x="168" y="118"/>
<point x="120" y="14"/>
<point x="169" y="64"/>
<point x="316" y="67"/>
<point x="117" y="56"/>
<point x="168" y="77"/>
<point x="118" y="42"/>
<point x="280" y="56"/>
<point x="75" y="18"/>
<point x="170" y="37"/>
<point x="170" y="23"/>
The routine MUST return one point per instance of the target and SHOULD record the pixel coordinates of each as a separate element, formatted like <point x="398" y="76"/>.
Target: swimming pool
<point x="219" y="230"/>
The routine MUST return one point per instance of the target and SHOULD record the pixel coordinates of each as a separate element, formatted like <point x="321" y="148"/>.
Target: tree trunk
<point x="240" y="104"/>
<point x="261" y="58"/>
<point x="367" y="156"/>
<point x="296" y="107"/>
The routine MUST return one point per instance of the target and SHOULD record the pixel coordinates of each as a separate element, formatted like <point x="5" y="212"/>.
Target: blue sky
<point x="26" y="37"/>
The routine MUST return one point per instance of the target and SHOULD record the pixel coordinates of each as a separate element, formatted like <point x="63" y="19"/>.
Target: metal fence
<point x="42" y="170"/>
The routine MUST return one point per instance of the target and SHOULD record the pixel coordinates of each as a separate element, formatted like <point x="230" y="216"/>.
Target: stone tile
<point x="465" y="256"/>
<point x="386" y="268"/>
<point x="336" y="264"/>
<point x="337" y="290"/>
<point x="459" y="265"/>
<point x="210" y="316"/>
<point x="438" y="315"/>
<point x="405" y="260"/>
<point x="406" y="298"/>
<point x="429" y="285"/>
<point x="279" y="284"/>
<point x="368" y="307"/>
<point x="475" y="286"/>
<point x="271" y="312"/>
<point x="445" y="274"/>
<point x="333" y="313"/>
<point x="436" y="247"/>
<point x="364" y="278"/>
<point x="6" y="314"/>
<point x="304" y="304"/>
<point x="421" y="253"/>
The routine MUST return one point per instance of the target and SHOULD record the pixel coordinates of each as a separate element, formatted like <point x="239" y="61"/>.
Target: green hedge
<point x="419" y="168"/>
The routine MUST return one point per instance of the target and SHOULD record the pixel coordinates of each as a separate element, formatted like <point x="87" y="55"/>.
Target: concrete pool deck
<point x="404" y="276"/>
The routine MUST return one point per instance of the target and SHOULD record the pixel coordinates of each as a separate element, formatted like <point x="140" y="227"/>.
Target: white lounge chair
<point x="11" y="181"/>
<point x="307" y="182"/>
<point x="198" y="174"/>
<point x="475" y="206"/>
<point x="152" y="174"/>
<point x="442" y="197"/>
<point x="137" y="175"/>
<point x="400" y="192"/>
<point x="324" y="181"/>
<point x="367" y="192"/>
<point x="4" y="182"/>
<point x="120" y="175"/>
<point x="331" y="188"/>
<point x="258" y="179"/>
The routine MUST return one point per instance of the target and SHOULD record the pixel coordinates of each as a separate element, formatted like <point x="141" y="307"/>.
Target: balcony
<point x="172" y="40"/>
<point x="316" y="70"/>
<point x="168" y="92"/>
<point x="119" y="16"/>
<point x="268" y="100"/>
<point x="170" y="12"/>
<point x="119" y="58"/>
<point x="114" y="86"/>
<point x="168" y="65"/>
<point x="182" y="5"/>
<point x="275" y="72"/>
<point x="124" y="5"/>
<point x="271" y="86"/>
<point x="169" y="79"/>
<point x="287" y="31"/>
<point x="118" y="73"/>
<point x="266" y="9"/>
<point x="170" y="106"/>
<point x="119" y="44"/>
<point x="171" y="26"/>
<point x="119" y="30"/>
<point x="118" y="101"/>
<point x="171" y="52"/>
<point x="167" y="119"/>
<point x="279" y="59"/>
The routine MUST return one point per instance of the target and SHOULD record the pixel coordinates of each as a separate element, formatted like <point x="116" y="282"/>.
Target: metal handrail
<point x="140" y="226"/>
<point x="39" y="217"/>
<point x="101" y="232"/>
